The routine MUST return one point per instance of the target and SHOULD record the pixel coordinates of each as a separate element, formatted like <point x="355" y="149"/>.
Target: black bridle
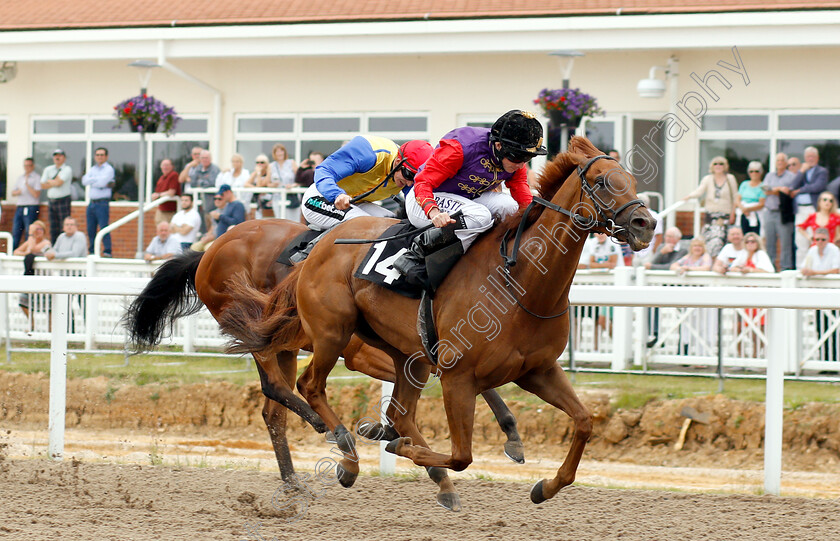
<point x="606" y="222"/>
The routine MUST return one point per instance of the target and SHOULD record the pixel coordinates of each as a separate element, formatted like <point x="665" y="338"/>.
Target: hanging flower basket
<point x="567" y="106"/>
<point x="146" y="114"/>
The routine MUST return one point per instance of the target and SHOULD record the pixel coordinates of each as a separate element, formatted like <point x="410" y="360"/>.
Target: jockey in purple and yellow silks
<point x="367" y="163"/>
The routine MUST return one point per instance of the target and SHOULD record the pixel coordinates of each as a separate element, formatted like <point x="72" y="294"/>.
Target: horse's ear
<point x="582" y="145"/>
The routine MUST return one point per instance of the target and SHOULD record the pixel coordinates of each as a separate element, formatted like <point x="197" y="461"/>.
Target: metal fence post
<point x="91" y="308"/>
<point x="774" y="400"/>
<point x="622" y="324"/>
<point x="387" y="461"/>
<point x="58" y="375"/>
<point x="640" y="323"/>
<point x="792" y="328"/>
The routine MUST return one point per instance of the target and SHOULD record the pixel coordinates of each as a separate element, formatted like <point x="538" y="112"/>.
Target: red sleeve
<point x="810" y="221"/>
<point x="446" y="160"/>
<point x="519" y="189"/>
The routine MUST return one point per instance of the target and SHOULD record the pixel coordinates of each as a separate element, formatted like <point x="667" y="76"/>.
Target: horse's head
<point x="609" y="198"/>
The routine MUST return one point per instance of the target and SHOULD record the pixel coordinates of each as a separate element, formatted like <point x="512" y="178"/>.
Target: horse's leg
<point x="459" y="400"/>
<point x="277" y="388"/>
<point x="554" y="387"/>
<point x="312" y="386"/>
<point x="514" y="449"/>
<point x="369" y="360"/>
<point x="274" y="415"/>
<point x="402" y="411"/>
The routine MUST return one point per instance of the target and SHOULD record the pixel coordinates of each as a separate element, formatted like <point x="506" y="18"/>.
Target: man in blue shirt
<point x="806" y="188"/>
<point x="229" y="212"/>
<point x="100" y="178"/>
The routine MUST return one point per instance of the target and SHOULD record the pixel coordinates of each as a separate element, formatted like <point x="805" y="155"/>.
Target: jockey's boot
<point x="412" y="264"/>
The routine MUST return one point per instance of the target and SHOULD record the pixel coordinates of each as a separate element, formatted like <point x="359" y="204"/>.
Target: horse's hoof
<point x="345" y="477"/>
<point x="450" y="501"/>
<point x="537" y="492"/>
<point x="394" y="446"/>
<point x="515" y="451"/>
<point x="330" y="437"/>
<point x="370" y="431"/>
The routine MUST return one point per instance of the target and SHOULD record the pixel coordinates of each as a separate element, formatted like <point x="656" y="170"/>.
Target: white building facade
<point x="744" y="85"/>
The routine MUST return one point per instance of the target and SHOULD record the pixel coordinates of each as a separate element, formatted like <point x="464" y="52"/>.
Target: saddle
<point x="298" y="249"/>
<point x="377" y="267"/>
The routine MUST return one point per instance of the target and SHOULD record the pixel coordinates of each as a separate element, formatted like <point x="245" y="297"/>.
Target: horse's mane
<point x="552" y="177"/>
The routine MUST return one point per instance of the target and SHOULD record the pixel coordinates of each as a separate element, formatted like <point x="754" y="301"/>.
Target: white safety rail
<point x="282" y="191"/>
<point x="780" y="303"/>
<point x="602" y="337"/>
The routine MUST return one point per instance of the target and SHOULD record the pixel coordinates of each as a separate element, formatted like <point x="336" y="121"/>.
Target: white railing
<point x="283" y="191"/>
<point x="775" y="299"/>
<point x="97" y="240"/>
<point x="610" y="336"/>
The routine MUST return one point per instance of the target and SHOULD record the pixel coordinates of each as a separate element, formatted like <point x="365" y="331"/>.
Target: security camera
<point x="651" y="88"/>
<point x="8" y="70"/>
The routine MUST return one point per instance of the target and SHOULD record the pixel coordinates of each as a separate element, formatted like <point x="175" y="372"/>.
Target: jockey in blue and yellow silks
<point x="367" y="164"/>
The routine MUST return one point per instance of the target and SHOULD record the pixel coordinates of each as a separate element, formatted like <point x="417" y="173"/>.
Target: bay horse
<point x="249" y="251"/>
<point x="497" y="323"/>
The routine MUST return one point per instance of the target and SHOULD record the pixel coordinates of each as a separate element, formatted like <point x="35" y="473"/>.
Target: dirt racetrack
<point x="71" y="500"/>
<point x="229" y="495"/>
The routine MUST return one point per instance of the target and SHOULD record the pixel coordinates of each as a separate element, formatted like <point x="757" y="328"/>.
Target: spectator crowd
<point x="783" y="208"/>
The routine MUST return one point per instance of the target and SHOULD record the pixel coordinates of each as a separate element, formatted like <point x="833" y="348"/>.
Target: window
<point x="745" y="136"/>
<point x="713" y="122"/>
<point x="79" y="136"/>
<point x="325" y="133"/>
<point x="602" y="134"/>
<point x="829" y="151"/>
<point x="738" y="152"/>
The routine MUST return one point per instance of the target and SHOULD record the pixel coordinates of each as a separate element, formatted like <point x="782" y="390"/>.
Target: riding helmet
<point x="415" y="153"/>
<point x="520" y="134"/>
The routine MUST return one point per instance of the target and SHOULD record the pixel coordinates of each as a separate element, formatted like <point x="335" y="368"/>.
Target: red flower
<point x="145" y="96"/>
<point x="127" y="110"/>
<point x="562" y="98"/>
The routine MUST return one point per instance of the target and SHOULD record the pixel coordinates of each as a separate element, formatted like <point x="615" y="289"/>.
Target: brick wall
<point x="123" y="240"/>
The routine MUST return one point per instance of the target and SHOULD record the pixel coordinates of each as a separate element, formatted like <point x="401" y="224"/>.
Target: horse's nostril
<point x="640" y="223"/>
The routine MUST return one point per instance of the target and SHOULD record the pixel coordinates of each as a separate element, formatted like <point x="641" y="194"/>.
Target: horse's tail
<point x="168" y="296"/>
<point x="260" y="320"/>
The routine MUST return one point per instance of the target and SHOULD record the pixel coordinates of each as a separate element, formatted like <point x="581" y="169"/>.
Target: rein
<point x="583" y="222"/>
<point x="455" y="216"/>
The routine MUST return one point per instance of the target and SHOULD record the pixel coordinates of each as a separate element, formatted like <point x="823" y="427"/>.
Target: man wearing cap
<point x="463" y="175"/>
<point x="56" y="179"/>
<point x="100" y="178"/>
<point x="368" y="168"/>
<point x="229" y="212"/>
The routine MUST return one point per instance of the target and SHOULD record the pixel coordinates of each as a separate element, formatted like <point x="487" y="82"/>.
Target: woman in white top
<point x="235" y="177"/>
<point x="283" y="171"/>
<point x="754" y="258"/>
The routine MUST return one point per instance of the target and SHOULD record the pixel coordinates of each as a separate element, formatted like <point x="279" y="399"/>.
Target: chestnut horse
<point x="496" y="324"/>
<point x="250" y="250"/>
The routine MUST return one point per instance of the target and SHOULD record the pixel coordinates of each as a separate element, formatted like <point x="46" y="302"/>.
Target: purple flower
<point x="146" y="113"/>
